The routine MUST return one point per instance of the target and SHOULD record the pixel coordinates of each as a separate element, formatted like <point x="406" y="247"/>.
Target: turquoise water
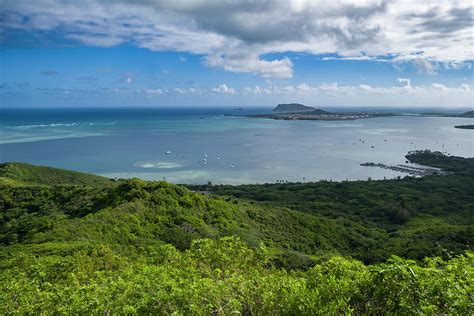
<point x="200" y="145"/>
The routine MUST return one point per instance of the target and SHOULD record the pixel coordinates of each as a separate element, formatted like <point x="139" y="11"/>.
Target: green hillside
<point x="312" y="248"/>
<point x="22" y="173"/>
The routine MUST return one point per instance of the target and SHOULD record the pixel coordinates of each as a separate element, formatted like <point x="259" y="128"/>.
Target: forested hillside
<point x="78" y="243"/>
<point x="22" y="173"/>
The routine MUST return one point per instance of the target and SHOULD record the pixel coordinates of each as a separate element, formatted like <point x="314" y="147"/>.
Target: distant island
<point x="464" y="126"/>
<point x="296" y="111"/>
<point x="468" y="114"/>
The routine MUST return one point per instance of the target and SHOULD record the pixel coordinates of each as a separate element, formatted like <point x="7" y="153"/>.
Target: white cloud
<point x="457" y="65"/>
<point x="306" y="89"/>
<point x="403" y="93"/>
<point x="237" y="35"/>
<point x="334" y="89"/>
<point x="465" y="87"/>
<point x="100" y="40"/>
<point x="224" y="89"/>
<point x="424" y="66"/>
<point x="154" y="91"/>
<point x="406" y="83"/>
<point x="329" y="87"/>
<point x="282" y="68"/>
<point x="188" y="91"/>
<point x="365" y="87"/>
<point x="439" y="86"/>
<point x="257" y="90"/>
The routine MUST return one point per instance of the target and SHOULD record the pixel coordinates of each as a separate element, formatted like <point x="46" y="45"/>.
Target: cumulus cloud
<point x="239" y="35"/>
<point x="439" y="86"/>
<point x="404" y="82"/>
<point x="180" y="90"/>
<point x="258" y="90"/>
<point x="188" y="91"/>
<point x="365" y="87"/>
<point x="424" y="66"/>
<point x="465" y="87"/>
<point x="405" y="87"/>
<point x="457" y="65"/>
<point x="403" y="93"/>
<point x="224" y="89"/>
<point x="282" y="68"/>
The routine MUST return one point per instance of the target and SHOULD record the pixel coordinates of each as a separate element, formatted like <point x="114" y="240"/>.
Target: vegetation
<point x="22" y="173"/>
<point x="371" y="220"/>
<point x="464" y="126"/>
<point x="468" y="114"/>
<point x="227" y="277"/>
<point x="77" y="243"/>
<point x="292" y="107"/>
<point x="296" y="111"/>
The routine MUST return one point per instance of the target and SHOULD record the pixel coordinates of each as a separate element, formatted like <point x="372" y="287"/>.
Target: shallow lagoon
<point x="134" y="143"/>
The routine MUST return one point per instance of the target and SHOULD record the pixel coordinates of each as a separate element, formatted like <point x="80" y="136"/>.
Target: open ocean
<point x="198" y="145"/>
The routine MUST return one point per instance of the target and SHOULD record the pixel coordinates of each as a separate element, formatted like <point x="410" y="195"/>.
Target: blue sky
<point x="62" y="56"/>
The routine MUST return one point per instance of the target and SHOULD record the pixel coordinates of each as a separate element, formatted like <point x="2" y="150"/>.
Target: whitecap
<point x="157" y="165"/>
<point x="60" y="125"/>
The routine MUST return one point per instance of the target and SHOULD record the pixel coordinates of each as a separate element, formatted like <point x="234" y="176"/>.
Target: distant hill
<point x="293" y="108"/>
<point x="24" y="174"/>
<point x="320" y="112"/>
<point x="468" y="114"/>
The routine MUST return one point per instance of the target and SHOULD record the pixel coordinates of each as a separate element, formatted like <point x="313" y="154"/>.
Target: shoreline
<point x="417" y="171"/>
<point x="304" y="116"/>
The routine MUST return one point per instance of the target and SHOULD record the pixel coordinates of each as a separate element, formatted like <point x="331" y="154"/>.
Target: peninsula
<point x="464" y="126"/>
<point x="468" y="114"/>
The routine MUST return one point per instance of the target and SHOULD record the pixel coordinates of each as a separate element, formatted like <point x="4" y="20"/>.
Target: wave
<point x="61" y="125"/>
<point x="12" y="139"/>
<point x="157" y="165"/>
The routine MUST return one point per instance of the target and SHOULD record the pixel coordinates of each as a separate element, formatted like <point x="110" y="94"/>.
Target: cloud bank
<point x="238" y="36"/>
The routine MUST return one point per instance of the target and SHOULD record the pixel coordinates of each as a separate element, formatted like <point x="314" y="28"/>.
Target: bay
<point x="197" y="145"/>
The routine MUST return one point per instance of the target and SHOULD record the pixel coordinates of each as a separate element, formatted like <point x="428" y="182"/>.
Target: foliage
<point x="225" y="276"/>
<point x="370" y="220"/>
<point x="23" y="173"/>
<point x="437" y="159"/>
<point x="137" y="247"/>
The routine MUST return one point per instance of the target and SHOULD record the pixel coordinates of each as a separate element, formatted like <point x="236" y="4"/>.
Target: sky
<point x="366" y="53"/>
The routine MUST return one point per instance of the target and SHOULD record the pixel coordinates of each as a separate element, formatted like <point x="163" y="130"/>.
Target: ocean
<point x="197" y="145"/>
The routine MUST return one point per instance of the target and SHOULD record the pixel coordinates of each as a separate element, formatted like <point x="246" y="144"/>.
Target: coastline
<point x="317" y="117"/>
